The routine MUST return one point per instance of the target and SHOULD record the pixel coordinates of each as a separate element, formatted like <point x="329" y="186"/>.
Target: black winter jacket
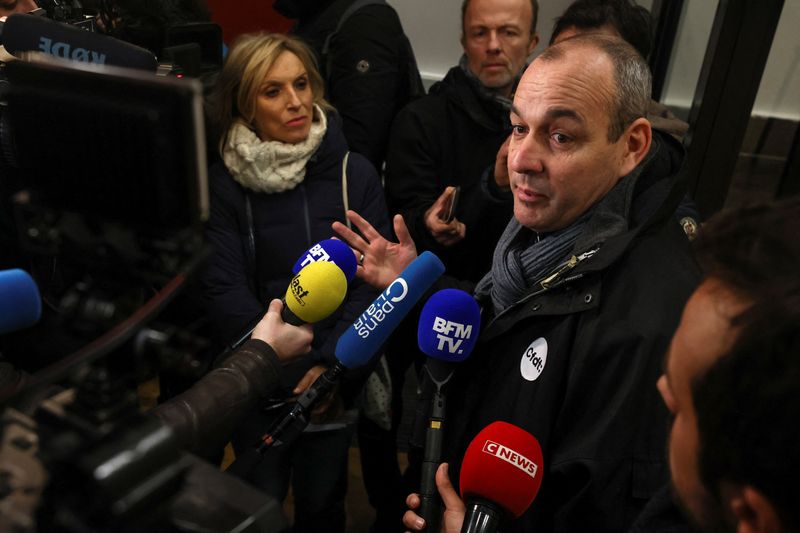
<point x="449" y="137"/>
<point x="364" y="70"/>
<point x="239" y="288"/>
<point x="576" y="364"/>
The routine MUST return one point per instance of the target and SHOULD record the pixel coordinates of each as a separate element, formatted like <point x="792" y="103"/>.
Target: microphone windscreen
<point x="364" y="338"/>
<point x="332" y="250"/>
<point x="20" y="303"/>
<point x="449" y="325"/>
<point x="29" y="33"/>
<point x="503" y="464"/>
<point x="316" y="291"/>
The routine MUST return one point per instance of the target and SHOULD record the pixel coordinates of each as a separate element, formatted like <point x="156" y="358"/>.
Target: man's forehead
<point x="508" y="12"/>
<point x="705" y="332"/>
<point x="561" y="88"/>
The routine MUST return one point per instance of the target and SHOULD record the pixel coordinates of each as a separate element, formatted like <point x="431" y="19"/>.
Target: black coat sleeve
<point x="364" y="78"/>
<point x="413" y="180"/>
<point x="231" y="304"/>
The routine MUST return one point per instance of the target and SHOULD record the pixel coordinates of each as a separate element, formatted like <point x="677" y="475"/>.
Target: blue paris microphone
<point x="357" y="345"/>
<point x="360" y="342"/>
<point x="20" y="302"/>
<point x="448" y="330"/>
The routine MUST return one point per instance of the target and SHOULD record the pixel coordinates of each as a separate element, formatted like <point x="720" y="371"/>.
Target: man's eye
<point x="560" y="138"/>
<point x="518" y="129"/>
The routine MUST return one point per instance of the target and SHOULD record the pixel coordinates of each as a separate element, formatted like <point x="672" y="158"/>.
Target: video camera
<point x="111" y="191"/>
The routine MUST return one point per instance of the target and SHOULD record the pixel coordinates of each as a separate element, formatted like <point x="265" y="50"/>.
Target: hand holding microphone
<point x="358" y="344"/>
<point x="318" y="287"/>
<point x="285" y="339"/>
<point x="454" y="508"/>
<point x="449" y="326"/>
<point x="500" y="476"/>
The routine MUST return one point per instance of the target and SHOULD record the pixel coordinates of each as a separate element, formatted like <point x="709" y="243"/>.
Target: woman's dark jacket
<point x="239" y="287"/>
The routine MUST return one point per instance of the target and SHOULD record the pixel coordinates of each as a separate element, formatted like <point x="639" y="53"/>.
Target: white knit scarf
<point x="270" y="166"/>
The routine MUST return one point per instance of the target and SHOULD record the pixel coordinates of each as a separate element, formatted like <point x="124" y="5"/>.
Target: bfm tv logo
<point x="315" y="253"/>
<point x="444" y="328"/>
<point x="510" y="456"/>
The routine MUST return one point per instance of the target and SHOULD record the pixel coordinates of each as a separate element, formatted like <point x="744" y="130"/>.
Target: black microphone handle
<point x="288" y="316"/>
<point x="482" y="516"/>
<point x="288" y="428"/>
<point x="430" y="508"/>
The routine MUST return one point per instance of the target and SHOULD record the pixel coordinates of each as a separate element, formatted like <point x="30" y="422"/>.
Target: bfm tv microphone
<point x="500" y="476"/>
<point x="448" y="330"/>
<point x="333" y="251"/>
<point x="318" y="279"/>
<point x="360" y="342"/>
<point x="20" y="302"/>
<point x="29" y="33"/>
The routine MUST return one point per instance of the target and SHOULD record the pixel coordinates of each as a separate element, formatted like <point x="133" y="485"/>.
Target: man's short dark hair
<point x="631" y="77"/>
<point x="534" y="10"/>
<point x="748" y="402"/>
<point x="631" y="21"/>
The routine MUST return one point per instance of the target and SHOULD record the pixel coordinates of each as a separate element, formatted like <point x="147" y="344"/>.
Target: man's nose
<point x="494" y="45"/>
<point x="525" y="156"/>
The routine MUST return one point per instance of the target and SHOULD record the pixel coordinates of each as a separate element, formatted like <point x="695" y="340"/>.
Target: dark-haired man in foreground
<point x="732" y="378"/>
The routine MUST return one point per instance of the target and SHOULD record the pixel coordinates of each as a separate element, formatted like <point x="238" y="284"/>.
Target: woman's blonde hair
<point x="248" y="62"/>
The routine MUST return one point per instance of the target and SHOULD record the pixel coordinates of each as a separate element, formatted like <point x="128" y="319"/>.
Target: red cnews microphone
<point x="500" y="476"/>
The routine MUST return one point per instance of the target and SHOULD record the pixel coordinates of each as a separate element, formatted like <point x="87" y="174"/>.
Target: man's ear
<point x="637" y="138"/>
<point x="533" y="43"/>
<point x="752" y="511"/>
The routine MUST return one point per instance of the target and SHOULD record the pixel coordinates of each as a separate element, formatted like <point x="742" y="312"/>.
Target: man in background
<point x="367" y="62"/>
<point x="451" y="137"/>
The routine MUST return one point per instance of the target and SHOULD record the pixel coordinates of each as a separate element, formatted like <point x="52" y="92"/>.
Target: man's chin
<point x="497" y="82"/>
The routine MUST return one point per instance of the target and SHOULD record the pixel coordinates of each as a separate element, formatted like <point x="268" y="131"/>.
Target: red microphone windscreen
<point x="503" y="464"/>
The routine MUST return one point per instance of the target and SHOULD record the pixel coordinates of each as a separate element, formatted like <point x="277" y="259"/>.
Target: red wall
<point x="245" y="16"/>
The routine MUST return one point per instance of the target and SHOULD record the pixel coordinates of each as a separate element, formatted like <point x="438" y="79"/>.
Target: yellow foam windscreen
<point x="316" y="291"/>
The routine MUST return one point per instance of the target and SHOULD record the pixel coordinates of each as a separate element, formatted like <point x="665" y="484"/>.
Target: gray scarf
<point x="523" y="257"/>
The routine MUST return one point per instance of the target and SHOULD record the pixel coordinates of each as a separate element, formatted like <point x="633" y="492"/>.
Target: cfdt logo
<point x="533" y="360"/>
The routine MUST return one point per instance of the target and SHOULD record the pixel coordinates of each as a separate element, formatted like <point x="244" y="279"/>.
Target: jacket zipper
<point x="306" y="214"/>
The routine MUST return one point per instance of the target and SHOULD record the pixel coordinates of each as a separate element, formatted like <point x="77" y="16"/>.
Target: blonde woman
<point x="275" y="193"/>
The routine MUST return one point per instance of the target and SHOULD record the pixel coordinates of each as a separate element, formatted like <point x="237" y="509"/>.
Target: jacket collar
<point x="480" y="106"/>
